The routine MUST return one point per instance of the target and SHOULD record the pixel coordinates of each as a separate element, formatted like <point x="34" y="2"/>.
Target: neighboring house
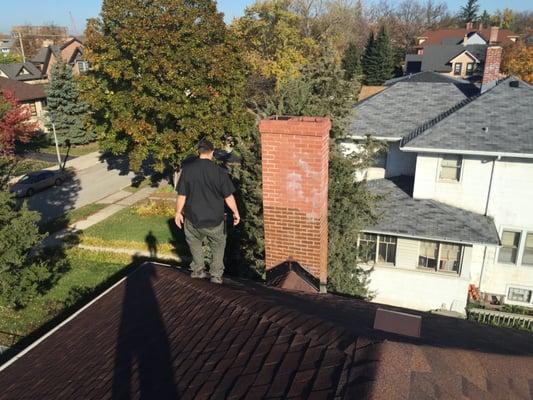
<point x="6" y="47"/>
<point x="33" y="96"/>
<point x="393" y="113"/>
<point x="464" y="214"/>
<point x="71" y="52"/>
<point x="23" y="72"/>
<point x="456" y="52"/>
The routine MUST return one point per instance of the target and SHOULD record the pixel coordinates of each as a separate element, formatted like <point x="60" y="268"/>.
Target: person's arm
<point x="180" y="203"/>
<point x="232" y="205"/>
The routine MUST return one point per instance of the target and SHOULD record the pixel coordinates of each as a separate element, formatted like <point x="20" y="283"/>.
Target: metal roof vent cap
<point x="485" y="129"/>
<point x="514" y="84"/>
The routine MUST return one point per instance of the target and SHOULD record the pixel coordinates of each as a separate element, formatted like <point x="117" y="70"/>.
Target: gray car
<point x="35" y="181"/>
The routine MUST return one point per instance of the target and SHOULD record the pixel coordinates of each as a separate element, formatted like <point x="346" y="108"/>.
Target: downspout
<point x="486" y="211"/>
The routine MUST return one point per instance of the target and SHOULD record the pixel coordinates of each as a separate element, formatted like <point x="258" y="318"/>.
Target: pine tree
<point x="163" y="74"/>
<point x="351" y="62"/>
<point x="469" y="11"/>
<point x="378" y="59"/>
<point x="20" y="276"/>
<point x="321" y="90"/>
<point x="485" y="19"/>
<point x="64" y="107"/>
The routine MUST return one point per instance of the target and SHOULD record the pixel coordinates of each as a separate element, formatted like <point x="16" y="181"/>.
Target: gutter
<point x="429" y="238"/>
<point x="499" y="154"/>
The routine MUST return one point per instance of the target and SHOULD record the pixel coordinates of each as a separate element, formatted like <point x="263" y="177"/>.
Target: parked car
<point x="31" y="183"/>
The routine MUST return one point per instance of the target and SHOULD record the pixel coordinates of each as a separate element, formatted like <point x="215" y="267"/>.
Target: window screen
<point x="450" y="167"/>
<point x="450" y="257"/>
<point x="429" y="252"/>
<point x="527" y="258"/>
<point x="509" y="249"/>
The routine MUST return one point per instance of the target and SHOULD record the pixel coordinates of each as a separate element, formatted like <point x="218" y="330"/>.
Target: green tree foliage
<point x="65" y="109"/>
<point x="321" y="90"/>
<point x="378" y="58"/>
<point x="246" y="240"/>
<point x="20" y="276"/>
<point x="469" y="12"/>
<point x="274" y="42"/>
<point x="11" y="58"/>
<point x="163" y="75"/>
<point x="351" y="62"/>
<point x="485" y="19"/>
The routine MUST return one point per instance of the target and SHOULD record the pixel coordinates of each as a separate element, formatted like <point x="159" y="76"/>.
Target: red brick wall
<point x="493" y="59"/>
<point x="295" y="154"/>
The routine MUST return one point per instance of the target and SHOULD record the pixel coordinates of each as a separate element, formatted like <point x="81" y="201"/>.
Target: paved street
<point x="87" y="186"/>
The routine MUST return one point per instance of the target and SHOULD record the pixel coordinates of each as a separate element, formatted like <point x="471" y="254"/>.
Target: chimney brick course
<point x="491" y="71"/>
<point x="295" y="155"/>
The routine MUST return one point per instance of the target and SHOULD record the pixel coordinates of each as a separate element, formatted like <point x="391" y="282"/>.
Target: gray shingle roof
<point x="437" y="57"/>
<point x="12" y="70"/>
<point x="41" y="55"/>
<point x="402" y="215"/>
<point x="468" y="88"/>
<point x="401" y="108"/>
<point x="499" y="121"/>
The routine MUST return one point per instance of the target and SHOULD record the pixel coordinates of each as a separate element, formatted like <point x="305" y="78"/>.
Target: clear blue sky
<point x="43" y="11"/>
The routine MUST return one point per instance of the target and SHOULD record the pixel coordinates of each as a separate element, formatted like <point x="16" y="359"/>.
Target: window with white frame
<point x="519" y="294"/>
<point x="509" y="251"/>
<point x="469" y="68"/>
<point x="450" y="167"/>
<point x="527" y="256"/>
<point x="457" y="68"/>
<point x="83" y="66"/>
<point x="380" y="249"/>
<point x="445" y="257"/>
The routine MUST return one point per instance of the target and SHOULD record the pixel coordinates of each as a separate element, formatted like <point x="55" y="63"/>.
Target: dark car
<point x="35" y="181"/>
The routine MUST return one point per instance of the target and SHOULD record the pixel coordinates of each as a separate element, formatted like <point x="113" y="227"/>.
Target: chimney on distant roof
<point x="493" y="34"/>
<point x="480" y="26"/>
<point x="295" y="154"/>
<point x="491" y="71"/>
<point x="469" y="25"/>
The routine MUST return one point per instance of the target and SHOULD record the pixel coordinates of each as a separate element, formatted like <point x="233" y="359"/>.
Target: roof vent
<point x="514" y="84"/>
<point x="485" y="129"/>
<point x="398" y="322"/>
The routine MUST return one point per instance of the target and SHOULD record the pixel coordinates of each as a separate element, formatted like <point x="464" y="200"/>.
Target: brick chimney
<point x="295" y="154"/>
<point x="469" y="25"/>
<point x="491" y="71"/>
<point x="493" y="38"/>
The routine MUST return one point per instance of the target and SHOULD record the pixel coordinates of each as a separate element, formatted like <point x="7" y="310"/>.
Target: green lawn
<point x="138" y="186"/>
<point x="25" y="165"/>
<point x="71" y="217"/>
<point x="78" y="150"/>
<point x="88" y="271"/>
<point x="128" y="229"/>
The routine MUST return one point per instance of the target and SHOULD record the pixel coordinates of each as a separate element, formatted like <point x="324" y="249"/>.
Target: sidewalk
<point x="116" y="203"/>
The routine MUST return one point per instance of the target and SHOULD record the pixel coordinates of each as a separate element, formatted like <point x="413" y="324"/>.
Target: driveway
<point x="86" y="186"/>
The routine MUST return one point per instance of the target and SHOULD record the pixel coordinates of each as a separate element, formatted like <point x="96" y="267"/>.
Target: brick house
<point x="32" y="96"/>
<point x="71" y="52"/>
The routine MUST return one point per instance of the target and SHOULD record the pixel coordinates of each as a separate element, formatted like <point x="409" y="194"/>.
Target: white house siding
<point x="510" y="204"/>
<point x="399" y="162"/>
<point x="405" y="285"/>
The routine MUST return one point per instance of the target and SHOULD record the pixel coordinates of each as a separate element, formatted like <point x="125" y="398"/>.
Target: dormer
<point x="473" y="38"/>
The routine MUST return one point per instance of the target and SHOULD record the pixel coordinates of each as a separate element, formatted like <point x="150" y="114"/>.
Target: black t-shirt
<point x="205" y="185"/>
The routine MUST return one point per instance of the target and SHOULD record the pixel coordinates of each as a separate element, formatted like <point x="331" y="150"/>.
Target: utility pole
<point x="57" y="145"/>
<point x="21" y="46"/>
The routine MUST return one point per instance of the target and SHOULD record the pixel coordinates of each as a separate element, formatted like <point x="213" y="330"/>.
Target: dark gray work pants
<point x="216" y="238"/>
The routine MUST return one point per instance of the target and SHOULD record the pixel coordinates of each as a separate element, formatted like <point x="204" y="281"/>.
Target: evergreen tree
<point x="164" y="74"/>
<point x="351" y="62"/>
<point x="321" y="90"/>
<point x="20" y="276"/>
<point x="65" y="109"/>
<point x="378" y="59"/>
<point x="485" y="19"/>
<point x="469" y="11"/>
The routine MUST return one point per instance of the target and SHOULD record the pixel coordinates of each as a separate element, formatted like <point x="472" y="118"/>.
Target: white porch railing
<point x="500" y="318"/>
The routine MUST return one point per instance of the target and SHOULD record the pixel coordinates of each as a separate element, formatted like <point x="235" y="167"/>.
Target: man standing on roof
<point x="203" y="188"/>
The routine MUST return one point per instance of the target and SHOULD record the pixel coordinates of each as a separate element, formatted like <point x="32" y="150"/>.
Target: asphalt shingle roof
<point x="161" y="335"/>
<point x="23" y="91"/>
<point x="437" y="57"/>
<point x="401" y="108"/>
<point x="11" y="70"/>
<point x="468" y="88"/>
<point x="399" y="213"/>
<point x="499" y="121"/>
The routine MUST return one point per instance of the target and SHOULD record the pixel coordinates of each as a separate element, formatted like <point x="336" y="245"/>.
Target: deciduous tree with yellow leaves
<point x="518" y="60"/>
